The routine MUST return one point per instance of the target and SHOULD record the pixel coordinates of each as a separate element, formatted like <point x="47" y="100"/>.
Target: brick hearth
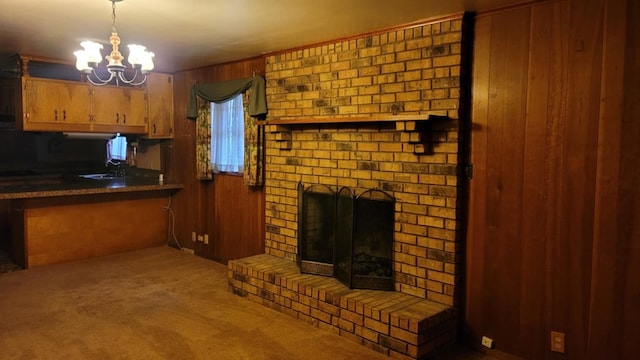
<point x="392" y="323"/>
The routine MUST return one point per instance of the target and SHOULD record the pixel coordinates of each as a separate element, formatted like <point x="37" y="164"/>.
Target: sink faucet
<point x="119" y="170"/>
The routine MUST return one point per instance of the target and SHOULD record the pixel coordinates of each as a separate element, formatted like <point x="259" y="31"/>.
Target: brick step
<point x="393" y="323"/>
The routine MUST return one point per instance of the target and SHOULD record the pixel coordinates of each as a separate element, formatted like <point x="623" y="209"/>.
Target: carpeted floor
<point x="156" y="303"/>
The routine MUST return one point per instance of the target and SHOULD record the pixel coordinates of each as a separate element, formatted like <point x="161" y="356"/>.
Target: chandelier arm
<point x="100" y="81"/>
<point x="144" y="78"/>
<point x="132" y="81"/>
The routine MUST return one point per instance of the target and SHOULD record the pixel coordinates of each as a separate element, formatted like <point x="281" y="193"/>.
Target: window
<point x="227" y="136"/>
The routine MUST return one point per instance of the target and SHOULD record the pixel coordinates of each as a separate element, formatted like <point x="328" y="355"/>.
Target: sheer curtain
<point x="255" y="107"/>
<point x="227" y="136"/>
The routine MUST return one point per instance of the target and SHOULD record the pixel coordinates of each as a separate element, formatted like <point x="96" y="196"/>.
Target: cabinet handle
<point x="55" y="115"/>
<point x="64" y="115"/>
<point x="124" y="118"/>
<point x="117" y="118"/>
<point x="154" y="128"/>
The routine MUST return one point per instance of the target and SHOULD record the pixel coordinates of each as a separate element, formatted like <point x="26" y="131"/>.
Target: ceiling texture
<point x="187" y="34"/>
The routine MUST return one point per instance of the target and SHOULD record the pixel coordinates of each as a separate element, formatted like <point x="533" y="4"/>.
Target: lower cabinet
<point x="54" y="230"/>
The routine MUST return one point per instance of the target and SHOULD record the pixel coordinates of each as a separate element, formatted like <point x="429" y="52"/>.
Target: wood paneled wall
<point x="225" y="209"/>
<point x="554" y="217"/>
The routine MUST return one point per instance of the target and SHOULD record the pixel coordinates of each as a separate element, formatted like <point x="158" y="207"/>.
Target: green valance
<point x="224" y="90"/>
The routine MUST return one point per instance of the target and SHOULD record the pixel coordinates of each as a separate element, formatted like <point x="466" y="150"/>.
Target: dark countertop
<point x="74" y="187"/>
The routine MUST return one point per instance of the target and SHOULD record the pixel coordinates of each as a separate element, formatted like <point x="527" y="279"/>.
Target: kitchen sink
<point x="98" y="176"/>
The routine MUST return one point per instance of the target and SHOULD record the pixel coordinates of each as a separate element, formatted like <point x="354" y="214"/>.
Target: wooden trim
<point x="258" y="71"/>
<point x="510" y="7"/>
<point x="411" y="25"/>
<point x="355" y="119"/>
<point x="414" y="128"/>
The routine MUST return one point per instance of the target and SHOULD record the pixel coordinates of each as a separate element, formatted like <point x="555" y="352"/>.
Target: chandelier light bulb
<point x="147" y="61"/>
<point x="82" y="64"/>
<point x="136" y="53"/>
<point x="92" y="51"/>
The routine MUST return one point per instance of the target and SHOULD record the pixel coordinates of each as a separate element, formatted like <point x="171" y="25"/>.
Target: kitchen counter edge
<point x="93" y="190"/>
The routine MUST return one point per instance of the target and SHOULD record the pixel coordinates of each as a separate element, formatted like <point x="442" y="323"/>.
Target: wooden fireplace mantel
<point x="415" y="128"/>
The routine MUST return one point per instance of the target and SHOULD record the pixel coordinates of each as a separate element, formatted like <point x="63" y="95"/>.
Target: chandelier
<point x="88" y="59"/>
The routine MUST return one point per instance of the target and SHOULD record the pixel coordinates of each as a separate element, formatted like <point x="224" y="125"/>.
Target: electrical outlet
<point x="487" y="342"/>
<point x="193" y="236"/>
<point x="557" y="342"/>
<point x="206" y="238"/>
<point x="200" y="238"/>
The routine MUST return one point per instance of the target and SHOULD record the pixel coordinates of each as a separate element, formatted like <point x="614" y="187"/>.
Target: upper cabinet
<point x="49" y="96"/>
<point x="54" y="105"/>
<point x="160" y="102"/>
<point x="119" y="109"/>
<point x="61" y="105"/>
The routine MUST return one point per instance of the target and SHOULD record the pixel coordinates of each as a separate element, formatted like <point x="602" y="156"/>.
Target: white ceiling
<point x="186" y="34"/>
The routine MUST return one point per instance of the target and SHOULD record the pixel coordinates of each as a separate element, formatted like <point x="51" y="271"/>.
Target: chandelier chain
<point x="113" y="15"/>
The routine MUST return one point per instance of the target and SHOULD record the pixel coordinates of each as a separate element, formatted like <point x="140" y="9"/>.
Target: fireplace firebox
<point x="346" y="236"/>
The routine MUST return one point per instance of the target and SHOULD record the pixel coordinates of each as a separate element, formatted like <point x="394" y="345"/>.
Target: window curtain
<point x="253" y="147"/>
<point x="226" y="155"/>
<point x="224" y="90"/>
<point x="203" y="141"/>
<point x="255" y="108"/>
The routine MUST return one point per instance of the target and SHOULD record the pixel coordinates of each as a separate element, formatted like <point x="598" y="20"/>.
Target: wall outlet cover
<point x="487" y="342"/>
<point x="557" y="342"/>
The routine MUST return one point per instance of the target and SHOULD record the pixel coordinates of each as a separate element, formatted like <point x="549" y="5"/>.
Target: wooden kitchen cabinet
<point x="160" y="102"/>
<point x="54" y="105"/>
<point x="68" y="228"/>
<point x="119" y="109"/>
<point x="69" y="106"/>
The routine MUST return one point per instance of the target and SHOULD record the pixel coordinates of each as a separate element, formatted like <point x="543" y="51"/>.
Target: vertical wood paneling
<point x="627" y="241"/>
<point x="475" y="254"/>
<point x="225" y="209"/>
<point x="237" y="222"/>
<point x="615" y="292"/>
<point x="554" y="170"/>
<point x="551" y="242"/>
<point x="572" y="246"/>
<point x="535" y="183"/>
<point x="505" y="145"/>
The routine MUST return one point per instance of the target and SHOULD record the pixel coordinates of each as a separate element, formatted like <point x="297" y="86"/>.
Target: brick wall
<point x="411" y="71"/>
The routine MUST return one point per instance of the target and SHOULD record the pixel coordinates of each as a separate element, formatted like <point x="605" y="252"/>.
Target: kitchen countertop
<point x="74" y="187"/>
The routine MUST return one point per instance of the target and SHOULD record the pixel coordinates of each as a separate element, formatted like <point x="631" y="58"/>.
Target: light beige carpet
<point x="157" y="303"/>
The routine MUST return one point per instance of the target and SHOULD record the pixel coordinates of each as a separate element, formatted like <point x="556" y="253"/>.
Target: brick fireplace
<point x="377" y="112"/>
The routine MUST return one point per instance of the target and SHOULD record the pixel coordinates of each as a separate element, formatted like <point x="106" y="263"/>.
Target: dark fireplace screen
<point x="348" y="237"/>
<point x="316" y="215"/>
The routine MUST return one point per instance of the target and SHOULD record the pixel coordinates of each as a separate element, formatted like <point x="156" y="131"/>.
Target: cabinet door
<point x="54" y="105"/>
<point x="160" y="99"/>
<point x="121" y="109"/>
